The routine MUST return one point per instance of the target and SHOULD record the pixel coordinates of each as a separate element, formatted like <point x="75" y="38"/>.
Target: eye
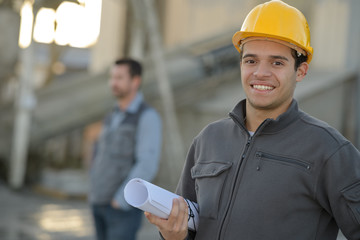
<point x="278" y="63"/>
<point x="249" y="61"/>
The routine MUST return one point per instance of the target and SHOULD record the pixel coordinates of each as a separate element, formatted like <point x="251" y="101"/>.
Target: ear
<point x="302" y="71"/>
<point x="136" y="81"/>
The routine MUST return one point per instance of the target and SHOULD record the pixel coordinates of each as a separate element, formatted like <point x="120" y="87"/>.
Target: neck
<point x="253" y="120"/>
<point x="124" y="103"/>
<point x="255" y="117"/>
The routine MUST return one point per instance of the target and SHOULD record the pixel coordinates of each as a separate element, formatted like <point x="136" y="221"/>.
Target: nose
<point x="262" y="70"/>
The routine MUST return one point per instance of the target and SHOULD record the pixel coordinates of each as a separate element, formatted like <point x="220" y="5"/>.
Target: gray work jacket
<point x="295" y="178"/>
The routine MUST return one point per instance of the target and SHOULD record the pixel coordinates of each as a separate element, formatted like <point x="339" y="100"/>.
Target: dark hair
<point x="134" y="66"/>
<point x="298" y="59"/>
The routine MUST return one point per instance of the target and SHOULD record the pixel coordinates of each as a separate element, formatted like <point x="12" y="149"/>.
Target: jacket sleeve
<point x="186" y="185"/>
<point x="338" y="190"/>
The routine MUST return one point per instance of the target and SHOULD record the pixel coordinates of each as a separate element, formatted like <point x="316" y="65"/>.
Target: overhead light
<point x="44" y="29"/>
<point x="26" y="24"/>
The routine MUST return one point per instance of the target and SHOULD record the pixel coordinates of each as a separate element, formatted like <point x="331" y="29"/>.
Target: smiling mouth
<point x="262" y="87"/>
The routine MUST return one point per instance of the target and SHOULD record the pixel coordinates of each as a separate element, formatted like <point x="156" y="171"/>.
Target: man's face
<point x="268" y="76"/>
<point x="121" y="83"/>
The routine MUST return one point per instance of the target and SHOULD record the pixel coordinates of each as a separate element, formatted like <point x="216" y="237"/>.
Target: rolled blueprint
<point x="156" y="200"/>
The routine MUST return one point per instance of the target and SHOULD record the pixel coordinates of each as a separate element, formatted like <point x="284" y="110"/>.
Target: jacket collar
<point x="269" y="125"/>
<point x="133" y="106"/>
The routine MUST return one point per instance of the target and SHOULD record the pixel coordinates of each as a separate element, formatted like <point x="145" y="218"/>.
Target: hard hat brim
<point x="239" y="36"/>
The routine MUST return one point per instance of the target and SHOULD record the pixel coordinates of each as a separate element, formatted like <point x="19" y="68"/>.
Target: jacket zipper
<point x="247" y="146"/>
<point x="234" y="183"/>
<point x="283" y="159"/>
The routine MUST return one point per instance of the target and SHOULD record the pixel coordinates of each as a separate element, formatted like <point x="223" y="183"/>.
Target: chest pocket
<point x="209" y="181"/>
<point x="285" y="161"/>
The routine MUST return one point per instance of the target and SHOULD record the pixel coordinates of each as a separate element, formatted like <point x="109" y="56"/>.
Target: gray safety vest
<point x="114" y="157"/>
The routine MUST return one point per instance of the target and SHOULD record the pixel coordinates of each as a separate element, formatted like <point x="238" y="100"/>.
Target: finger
<point x="177" y="220"/>
<point x="178" y="216"/>
<point x="184" y="209"/>
<point x="148" y="216"/>
<point x="173" y="216"/>
<point x="176" y="209"/>
<point x="114" y="204"/>
<point x="175" y="227"/>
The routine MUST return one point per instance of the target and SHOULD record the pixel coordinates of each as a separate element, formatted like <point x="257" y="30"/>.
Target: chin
<point x="261" y="105"/>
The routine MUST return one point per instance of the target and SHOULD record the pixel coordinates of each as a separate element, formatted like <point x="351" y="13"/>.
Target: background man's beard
<point x="120" y="94"/>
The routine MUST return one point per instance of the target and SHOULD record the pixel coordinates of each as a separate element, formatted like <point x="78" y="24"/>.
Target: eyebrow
<point x="279" y="57"/>
<point x="249" y="55"/>
<point x="271" y="56"/>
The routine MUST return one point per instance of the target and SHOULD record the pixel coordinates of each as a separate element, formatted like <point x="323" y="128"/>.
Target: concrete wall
<point x="110" y="44"/>
<point x="188" y="21"/>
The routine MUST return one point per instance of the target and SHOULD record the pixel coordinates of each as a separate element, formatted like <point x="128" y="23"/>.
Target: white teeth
<point x="263" y="87"/>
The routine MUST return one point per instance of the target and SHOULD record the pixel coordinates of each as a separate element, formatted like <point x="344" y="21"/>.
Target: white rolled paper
<point x="156" y="200"/>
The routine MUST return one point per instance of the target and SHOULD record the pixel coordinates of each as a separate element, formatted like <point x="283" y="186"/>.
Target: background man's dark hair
<point x="134" y="66"/>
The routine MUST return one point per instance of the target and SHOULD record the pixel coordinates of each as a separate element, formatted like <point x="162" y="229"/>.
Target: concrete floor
<point x="26" y="215"/>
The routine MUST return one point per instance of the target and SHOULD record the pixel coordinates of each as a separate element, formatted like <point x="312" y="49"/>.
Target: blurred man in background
<point x="129" y="146"/>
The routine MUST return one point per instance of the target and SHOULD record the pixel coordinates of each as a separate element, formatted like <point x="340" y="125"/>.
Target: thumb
<point x="149" y="217"/>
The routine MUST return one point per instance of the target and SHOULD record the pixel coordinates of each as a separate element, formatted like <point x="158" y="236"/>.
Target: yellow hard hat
<point x="279" y="21"/>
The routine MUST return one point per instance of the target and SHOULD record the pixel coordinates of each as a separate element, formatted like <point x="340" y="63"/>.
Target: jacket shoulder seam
<point x="326" y="129"/>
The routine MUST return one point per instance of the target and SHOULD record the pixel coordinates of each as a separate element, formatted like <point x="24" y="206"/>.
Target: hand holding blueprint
<point x="158" y="201"/>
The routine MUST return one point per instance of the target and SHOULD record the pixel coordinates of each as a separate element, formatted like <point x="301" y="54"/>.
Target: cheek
<point x="289" y="83"/>
<point x="291" y="77"/>
<point x="115" y="84"/>
<point x="133" y="85"/>
<point x="245" y="75"/>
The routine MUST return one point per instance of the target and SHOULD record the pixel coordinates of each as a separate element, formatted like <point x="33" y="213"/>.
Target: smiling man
<point x="270" y="171"/>
<point x="268" y="78"/>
